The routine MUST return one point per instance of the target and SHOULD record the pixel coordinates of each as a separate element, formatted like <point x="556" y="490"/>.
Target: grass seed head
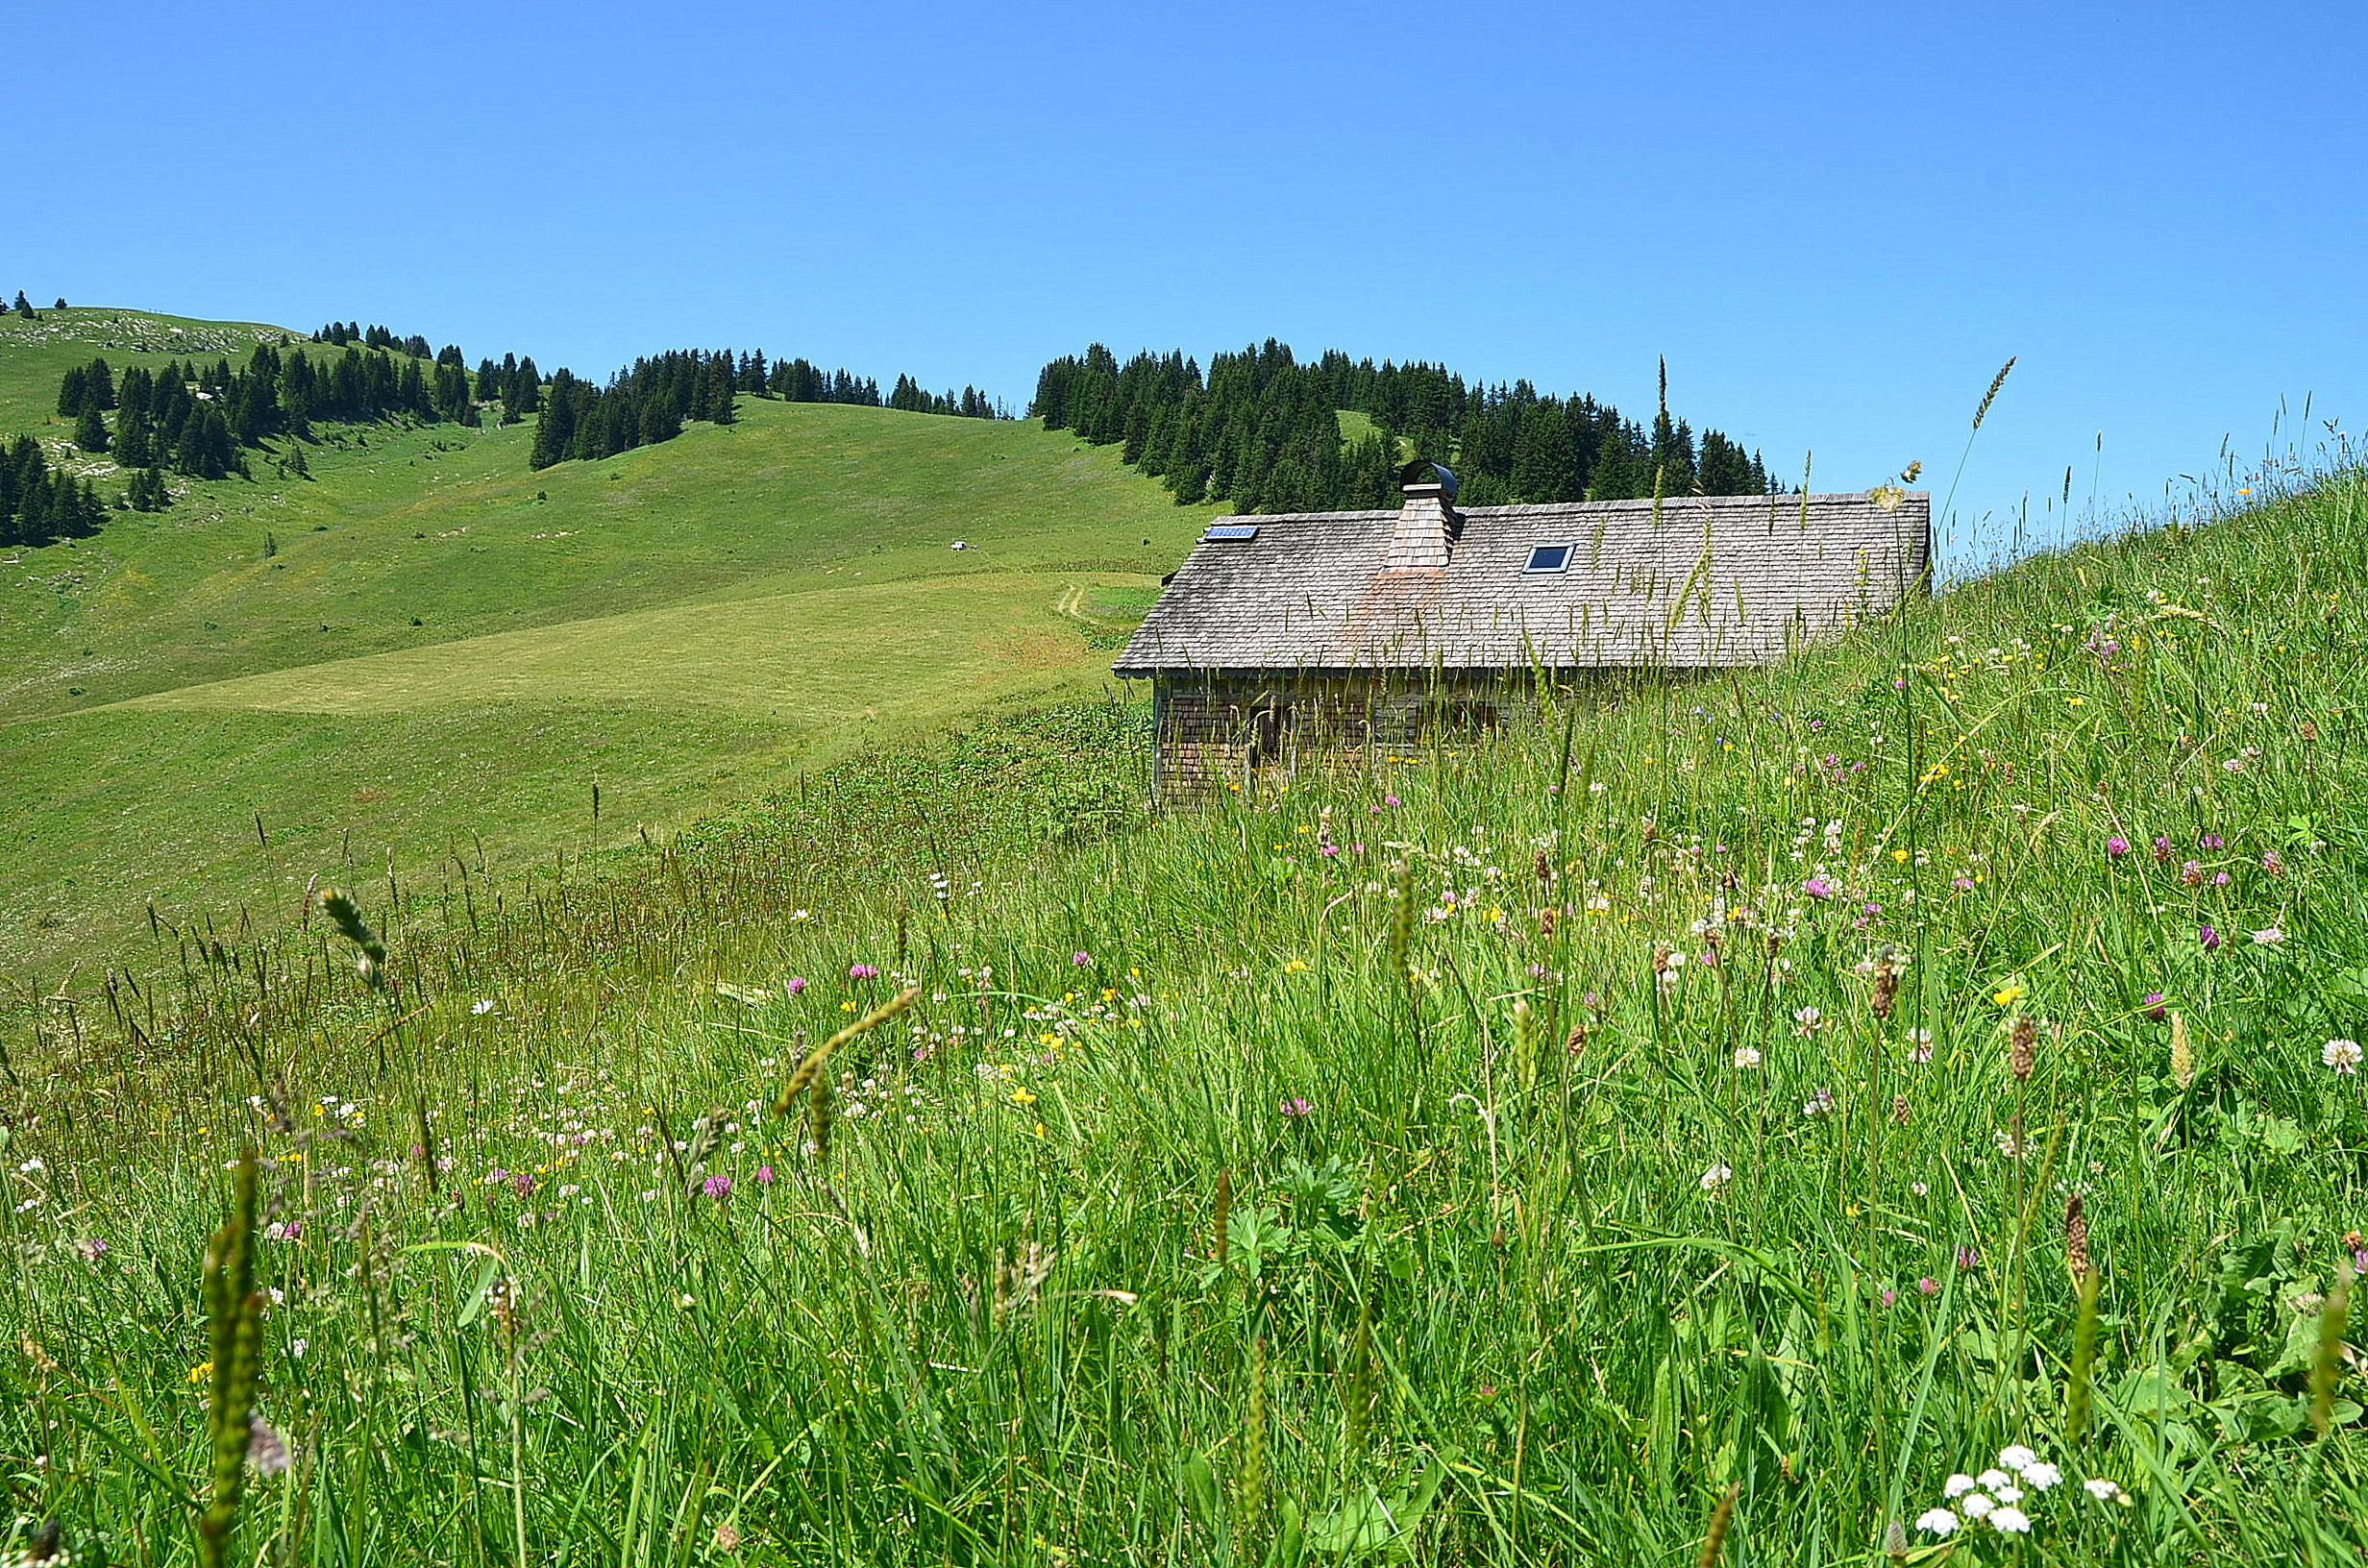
<point x="2023" y="1050"/>
<point x="1722" y="1518"/>
<point x="1402" y="924"/>
<point x="371" y="959"/>
<point x="819" y="1113"/>
<point x="2326" y="1365"/>
<point x="1991" y="396"/>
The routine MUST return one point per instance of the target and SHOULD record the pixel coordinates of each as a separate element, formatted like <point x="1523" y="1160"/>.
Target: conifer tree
<point x="205" y="449"/>
<point x="1546" y="460"/>
<point x="90" y="429"/>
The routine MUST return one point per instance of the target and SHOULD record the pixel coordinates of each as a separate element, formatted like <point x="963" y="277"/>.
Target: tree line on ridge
<point x="1263" y="432"/>
<point x="201" y="420"/>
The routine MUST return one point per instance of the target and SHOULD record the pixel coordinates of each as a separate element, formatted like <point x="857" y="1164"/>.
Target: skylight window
<point x="1233" y="531"/>
<point x="1548" y="558"/>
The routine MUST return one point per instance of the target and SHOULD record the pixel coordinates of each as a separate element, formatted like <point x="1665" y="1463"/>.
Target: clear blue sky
<point x="1837" y="223"/>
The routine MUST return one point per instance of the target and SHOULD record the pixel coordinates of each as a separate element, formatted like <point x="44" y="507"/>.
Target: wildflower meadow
<point x="1904" y="1105"/>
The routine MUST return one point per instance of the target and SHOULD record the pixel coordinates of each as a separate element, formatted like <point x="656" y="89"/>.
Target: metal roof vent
<point x="1419" y="472"/>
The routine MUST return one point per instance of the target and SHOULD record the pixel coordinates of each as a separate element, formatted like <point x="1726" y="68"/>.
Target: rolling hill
<point x="427" y="643"/>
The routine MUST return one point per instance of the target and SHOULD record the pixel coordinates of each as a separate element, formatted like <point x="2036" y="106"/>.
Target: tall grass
<point x="1623" y="1141"/>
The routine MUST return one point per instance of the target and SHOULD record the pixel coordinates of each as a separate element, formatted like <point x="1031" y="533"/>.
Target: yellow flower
<point x="1900" y="855"/>
<point x="2007" y="995"/>
<point x="1297" y="965"/>
<point x="1021" y="1097"/>
<point x="201" y="1372"/>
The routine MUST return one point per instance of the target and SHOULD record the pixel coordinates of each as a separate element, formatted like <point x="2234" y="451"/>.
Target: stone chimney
<point x="1427" y="524"/>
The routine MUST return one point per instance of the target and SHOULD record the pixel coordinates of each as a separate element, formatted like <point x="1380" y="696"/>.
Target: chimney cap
<point x="1419" y="472"/>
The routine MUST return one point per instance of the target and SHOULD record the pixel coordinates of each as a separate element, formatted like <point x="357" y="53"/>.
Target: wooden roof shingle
<point x="1715" y="580"/>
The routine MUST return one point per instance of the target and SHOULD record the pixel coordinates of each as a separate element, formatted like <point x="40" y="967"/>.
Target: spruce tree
<point x="24" y="307"/>
<point x="205" y="449"/>
<point x="33" y="513"/>
<point x="90" y="429"/>
<point x="1546" y="460"/>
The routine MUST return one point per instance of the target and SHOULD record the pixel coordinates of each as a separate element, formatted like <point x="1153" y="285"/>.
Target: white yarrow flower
<point x="2011" y="1521"/>
<point x="2039" y="1474"/>
<point x="2100" y="1488"/>
<point x="1992" y="1479"/>
<point x="1937" y="1522"/>
<point x="2009" y="1494"/>
<point x="2016" y="1457"/>
<point x="1957" y="1486"/>
<point x="1976" y="1504"/>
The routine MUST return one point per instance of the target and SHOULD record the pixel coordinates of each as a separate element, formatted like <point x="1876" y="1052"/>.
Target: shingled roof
<point x="1713" y="580"/>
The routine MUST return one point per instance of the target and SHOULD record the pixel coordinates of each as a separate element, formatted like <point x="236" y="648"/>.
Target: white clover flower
<point x="1975" y="1505"/>
<point x="2268" y="937"/>
<point x="2342" y="1055"/>
<point x="1937" y="1522"/>
<point x="1716" y="1177"/>
<point x="2103" y="1490"/>
<point x="2010" y="1521"/>
<point x="1957" y="1486"/>
<point x="480" y="1007"/>
<point x="2039" y="1474"/>
<point x="1746" y="1056"/>
<point x="2016" y="1457"/>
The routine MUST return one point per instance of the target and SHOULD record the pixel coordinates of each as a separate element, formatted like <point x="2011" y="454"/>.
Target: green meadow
<point x="1901" y="1106"/>
<point x="427" y="643"/>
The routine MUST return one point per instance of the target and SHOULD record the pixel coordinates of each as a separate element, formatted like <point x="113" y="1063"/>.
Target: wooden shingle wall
<point x="1218" y="733"/>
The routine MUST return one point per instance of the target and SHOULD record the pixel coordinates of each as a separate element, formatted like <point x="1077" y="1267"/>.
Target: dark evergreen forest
<point x="1262" y="431"/>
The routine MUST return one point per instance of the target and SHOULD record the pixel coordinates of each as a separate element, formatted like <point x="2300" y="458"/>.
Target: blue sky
<point x="1836" y="222"/>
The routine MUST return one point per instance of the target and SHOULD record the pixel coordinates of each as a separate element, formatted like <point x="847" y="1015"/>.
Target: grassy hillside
<point x="1933" y="1058"/>
<point x="428" y="644"/>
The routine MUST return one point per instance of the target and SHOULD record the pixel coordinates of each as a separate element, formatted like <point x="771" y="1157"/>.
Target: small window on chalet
<point x="1548" y="558"/>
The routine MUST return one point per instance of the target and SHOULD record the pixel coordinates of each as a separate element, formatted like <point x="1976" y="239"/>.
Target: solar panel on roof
<point x="1233" y="530"/>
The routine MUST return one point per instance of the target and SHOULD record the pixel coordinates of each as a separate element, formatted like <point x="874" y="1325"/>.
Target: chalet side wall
<point x="1213" y="733"/>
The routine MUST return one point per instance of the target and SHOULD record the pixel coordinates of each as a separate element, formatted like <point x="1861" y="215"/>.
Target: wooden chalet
<point x="1342" y="631"/>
